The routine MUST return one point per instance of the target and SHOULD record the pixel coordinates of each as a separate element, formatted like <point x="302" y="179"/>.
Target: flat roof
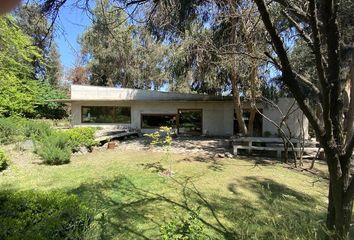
<point x="96" y="93"/>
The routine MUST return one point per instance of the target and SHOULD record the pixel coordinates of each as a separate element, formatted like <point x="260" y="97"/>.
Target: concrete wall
<point x="217" y="116"/>
<point x="295" y="121"/>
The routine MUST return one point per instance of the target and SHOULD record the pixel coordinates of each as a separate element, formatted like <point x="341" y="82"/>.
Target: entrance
<point x="190" y="121"/>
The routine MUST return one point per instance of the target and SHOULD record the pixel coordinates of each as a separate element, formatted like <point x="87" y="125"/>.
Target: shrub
<point x="183" y="227"/>
<point x="36" y="129"/>
<point x="4" y="160"/>
<point x="35" y="215"/>
<point x="83" y="136"/>
<point x="10" y="130"/>
<point x="55" y="149"/>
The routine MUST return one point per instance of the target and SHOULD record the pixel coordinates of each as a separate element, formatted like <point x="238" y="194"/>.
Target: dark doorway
<point x="257" y="125"/>
<point x="190" y="121"/>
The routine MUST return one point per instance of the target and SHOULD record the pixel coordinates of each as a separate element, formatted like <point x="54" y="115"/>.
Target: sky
<point x="70" y="24"/>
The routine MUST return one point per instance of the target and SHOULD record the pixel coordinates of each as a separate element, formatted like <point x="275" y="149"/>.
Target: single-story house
<point x="147" y="110"/>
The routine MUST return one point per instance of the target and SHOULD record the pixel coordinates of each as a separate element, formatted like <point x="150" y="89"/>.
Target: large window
<point x="105" y="114"/>
<point x="190" y="121"/>
<point x="158" y="120"/>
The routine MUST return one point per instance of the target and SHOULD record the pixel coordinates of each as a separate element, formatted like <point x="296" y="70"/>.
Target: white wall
<point x="294" y="120"/>
<point x="217" y="116"/>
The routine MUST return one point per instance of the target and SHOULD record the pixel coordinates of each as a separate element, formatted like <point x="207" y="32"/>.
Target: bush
<point x="82" y="136"/>
<point x="4" y="160"/>
<point x="31" y="215"/>
<point x="55" y="149"/>
<point x="183" y="227"/>
<point x="36" y="129"/>
<point x="10" y="130"/>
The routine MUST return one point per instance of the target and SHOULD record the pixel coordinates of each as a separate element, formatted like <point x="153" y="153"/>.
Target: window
<point x="190" y="121"/>
<point x="105" y="114"/>
<point x="158" y="120"/>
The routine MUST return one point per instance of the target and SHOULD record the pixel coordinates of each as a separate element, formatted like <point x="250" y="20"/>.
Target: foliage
<point x="79" y="75"/>
<point x="18" y="90"/>
<point x="81" y="136"/>
<point x="20" y="94"/>
<point x="183" y="228"/>
<point x="54" y="68"/>
<point x="163" y="137"/>
<point x="9" y="130"/>
<point x="120" y="53"/>
<point x="13" y="129"/>
<point x="55" y="149"/>
<point x="4" y="160"/>
<point x="36" y="215"/>
<point x="49" y="109"/>
<point x="34" y="23"/>
<point x="36" y="129"/>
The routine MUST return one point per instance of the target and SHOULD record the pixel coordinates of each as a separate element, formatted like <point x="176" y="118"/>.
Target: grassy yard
<point x="236" y="198"/>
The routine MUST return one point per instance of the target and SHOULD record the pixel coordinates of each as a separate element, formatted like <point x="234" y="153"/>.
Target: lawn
<point x="234" y="199"/>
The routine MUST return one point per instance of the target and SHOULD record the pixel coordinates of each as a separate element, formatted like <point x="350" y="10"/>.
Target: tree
<point x="18" y="90"/>
<point x="20" y="94"/>
<point x="78" y="75"/>
<point x="34" y="23"/>
<point x="205" y="35"/>
<point x="317" y="23"/>
<point x="121" y="54"/>
<point x="54" y="68"/>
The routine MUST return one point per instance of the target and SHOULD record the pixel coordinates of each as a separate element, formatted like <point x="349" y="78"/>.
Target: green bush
<point x="31" y="215"/>
<point x="183" y="227"/>
<point x="36" y="129"/>
<point x="10" y="130"/>
<point x="82" y="136"/>
<point x="4" y="160"/>
<point x="55" y="149"/>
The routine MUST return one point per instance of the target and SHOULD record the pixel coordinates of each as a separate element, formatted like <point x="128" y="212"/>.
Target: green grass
<point x="238" y="199"/>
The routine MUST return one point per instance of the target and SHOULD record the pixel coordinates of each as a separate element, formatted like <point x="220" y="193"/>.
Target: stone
<point x="83" y="150"/>
<point x="229" y="155"/>
<point x="27" y="145"/>
<point x="221" y="155"/>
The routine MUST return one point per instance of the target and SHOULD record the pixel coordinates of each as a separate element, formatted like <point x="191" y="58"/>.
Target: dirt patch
<point x="186" y="145"/>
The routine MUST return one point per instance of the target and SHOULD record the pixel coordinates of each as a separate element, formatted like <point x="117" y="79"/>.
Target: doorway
<point x="190" y="121"/>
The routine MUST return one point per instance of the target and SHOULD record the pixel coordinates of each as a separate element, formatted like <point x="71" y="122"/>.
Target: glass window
<point x="190" y="121"/>
<point x="105" y="114"/>
<point x="158" y="120"/>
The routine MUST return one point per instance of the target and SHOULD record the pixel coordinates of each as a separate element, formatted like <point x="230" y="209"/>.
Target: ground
<point x="238" y="199"/>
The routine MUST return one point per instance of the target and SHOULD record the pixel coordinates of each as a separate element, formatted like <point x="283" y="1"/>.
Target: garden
<point x="50" y="193"/>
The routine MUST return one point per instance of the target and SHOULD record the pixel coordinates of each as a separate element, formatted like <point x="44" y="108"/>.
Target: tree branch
<point x="304" y="35"/>
<point x="288" y="75"/>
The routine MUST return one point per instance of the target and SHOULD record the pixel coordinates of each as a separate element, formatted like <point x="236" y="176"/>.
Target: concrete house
<point x="190" y="114"/>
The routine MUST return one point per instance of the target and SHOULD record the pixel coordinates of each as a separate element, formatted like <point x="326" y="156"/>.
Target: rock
<point x="83" y="150"/>
<point x="221" y="155"/>
<point x="229" y="155"/>
<point x="27" y="145"/>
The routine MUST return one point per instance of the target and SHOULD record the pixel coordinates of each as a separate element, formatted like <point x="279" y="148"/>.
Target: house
<point x="191" y="114"/>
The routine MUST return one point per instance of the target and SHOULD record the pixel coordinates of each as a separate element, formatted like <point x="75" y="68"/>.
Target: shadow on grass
<point x="127" y="211"/>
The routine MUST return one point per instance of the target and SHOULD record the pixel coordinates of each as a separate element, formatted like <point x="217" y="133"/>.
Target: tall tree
<point x="34" y="23"/>
<point x="319" y="25"/>
<point x="54" y="71"/>
<point x="120" y="54"/>
<point x="206" y="35"/>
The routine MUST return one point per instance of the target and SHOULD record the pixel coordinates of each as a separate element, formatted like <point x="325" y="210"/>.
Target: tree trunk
<point x="350" y="120"/>
<point x="237" y="104"/>
<point x="251" y="122"/>
<point x="253" y="77"/>
<point x="340" y="206"/>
